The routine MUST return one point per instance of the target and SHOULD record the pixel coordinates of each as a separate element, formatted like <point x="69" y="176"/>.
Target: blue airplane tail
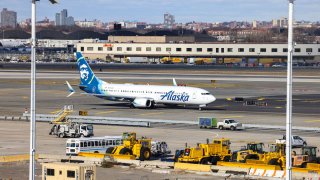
<point x="87" y="77"/>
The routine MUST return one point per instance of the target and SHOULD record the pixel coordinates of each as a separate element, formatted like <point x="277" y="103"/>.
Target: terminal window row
<point x="218" y="50"/>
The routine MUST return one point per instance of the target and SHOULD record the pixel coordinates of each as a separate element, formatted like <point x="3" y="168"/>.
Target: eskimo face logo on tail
<point x="171" y="96"/>
<point x="84" y="73"/>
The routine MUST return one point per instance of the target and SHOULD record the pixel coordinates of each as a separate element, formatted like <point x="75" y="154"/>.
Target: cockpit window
<point x="205" y="94"/>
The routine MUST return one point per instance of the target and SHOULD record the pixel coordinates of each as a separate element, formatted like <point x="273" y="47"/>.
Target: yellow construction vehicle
<point x="304" y="155"/>
<point x="132" y="148"/>
<point x="276" y="156"/>
<point x="252" y="150"/>
<point x="209" y="153"/>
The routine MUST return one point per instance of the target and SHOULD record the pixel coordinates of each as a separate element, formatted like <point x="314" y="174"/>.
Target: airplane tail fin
<point x="87" y="76"/>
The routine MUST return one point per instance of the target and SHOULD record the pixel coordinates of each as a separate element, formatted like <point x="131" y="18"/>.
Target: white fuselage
<point x="158" y="94"/>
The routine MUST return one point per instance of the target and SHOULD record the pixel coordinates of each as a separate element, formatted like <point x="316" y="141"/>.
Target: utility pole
<point x="33" y="94"/>
<point x="33" y="90"/>
<point x="289" y="94"/>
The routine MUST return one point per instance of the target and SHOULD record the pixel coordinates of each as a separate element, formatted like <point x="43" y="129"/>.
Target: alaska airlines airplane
<point x="140" y="96"/>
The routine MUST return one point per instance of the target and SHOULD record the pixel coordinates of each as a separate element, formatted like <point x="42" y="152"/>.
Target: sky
<point x="152" y="11"/>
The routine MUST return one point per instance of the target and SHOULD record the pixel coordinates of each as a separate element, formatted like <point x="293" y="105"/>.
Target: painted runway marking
<point x="153" y="113"/>
<point x="312" y="101"/>
<point x="278" y="107"/>
<point x="229" y="117"/>
<point x="310" y="121"/>
<point x="220" y="106"/>
<point x="105" y="112"/>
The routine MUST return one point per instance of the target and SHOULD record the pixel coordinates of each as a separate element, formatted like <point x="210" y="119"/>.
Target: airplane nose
<point x="212" y="98"/>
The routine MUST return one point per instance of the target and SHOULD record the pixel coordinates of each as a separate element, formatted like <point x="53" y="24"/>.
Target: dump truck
<point x="72" y="129"/>
<point x="132" y="148"/>
<point x="209" y="122"/>
<point x="253" y="150"/>
<point x="209" y="153"/>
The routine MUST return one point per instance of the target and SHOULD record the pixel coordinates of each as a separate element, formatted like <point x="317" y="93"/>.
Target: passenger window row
<point x="217" y="50"/>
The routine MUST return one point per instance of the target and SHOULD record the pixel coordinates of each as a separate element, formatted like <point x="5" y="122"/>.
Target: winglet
<point x="174" y="82"/>
<point x="70" y="89"/>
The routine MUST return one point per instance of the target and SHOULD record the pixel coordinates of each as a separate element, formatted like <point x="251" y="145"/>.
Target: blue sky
<point x="184" y="10"/>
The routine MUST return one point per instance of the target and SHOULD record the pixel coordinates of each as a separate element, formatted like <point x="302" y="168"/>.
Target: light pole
<point x="289" y="94"/>
<point x="33" y="88"/>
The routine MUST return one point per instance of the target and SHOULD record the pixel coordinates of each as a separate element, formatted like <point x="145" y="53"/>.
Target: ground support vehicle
<point x="62" y="115"/>
<point x="208" y="122"/>
<point x="76" y="146"/>
<point x="252" y="150"/>
<point x="132" y="148"/>
<point x="209" y="153"/>
<point x="72" y="130"/>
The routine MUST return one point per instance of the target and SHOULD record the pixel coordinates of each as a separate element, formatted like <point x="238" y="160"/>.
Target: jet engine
<point x="143" y="103"/>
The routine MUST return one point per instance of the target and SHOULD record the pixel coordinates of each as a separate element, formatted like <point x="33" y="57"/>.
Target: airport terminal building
<point x="224" y="53"/>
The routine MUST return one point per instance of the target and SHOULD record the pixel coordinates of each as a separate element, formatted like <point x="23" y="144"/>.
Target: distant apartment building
<point x="254" y="24"/>
<point x="25" y="23"/>
<point x="169" y="21"/>
<point x="45" y="23"/>
<point x="282" y="23"/>
<point x="8" y="18"/>
<point x="90" y="24"/>
<point x="57" y="22"/>
<point x="62" y="19"/>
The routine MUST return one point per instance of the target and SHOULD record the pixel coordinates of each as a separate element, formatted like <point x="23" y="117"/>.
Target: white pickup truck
<point x="230" y="124"/>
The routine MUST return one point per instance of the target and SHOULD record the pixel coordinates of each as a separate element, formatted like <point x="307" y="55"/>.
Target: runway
<point x="51" y="97"/>
<point x="265" y="89"/>
<point x="161" y="76"/>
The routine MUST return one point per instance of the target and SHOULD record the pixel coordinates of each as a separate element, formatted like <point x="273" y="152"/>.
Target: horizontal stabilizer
<point x="174" y="82"/>
<point x="70" y="89"/>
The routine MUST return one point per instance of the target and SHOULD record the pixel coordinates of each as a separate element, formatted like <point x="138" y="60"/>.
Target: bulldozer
<point x="132" y="148"/>
<point x="252" y="150"/>
<point x="305" y="155"/>
<point x="209" y="153"/>
<point x="276" y="156"/>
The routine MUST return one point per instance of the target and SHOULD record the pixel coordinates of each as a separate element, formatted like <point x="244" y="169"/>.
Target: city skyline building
<point x="57" y="21"/>
<point x="8" y="18"/>
<point x="62" y="19"/>
<point x="169" y="21"/>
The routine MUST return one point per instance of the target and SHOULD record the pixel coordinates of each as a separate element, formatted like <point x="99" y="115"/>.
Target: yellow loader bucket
<point x="121" y="156"/>
<point x="92" y="155"/>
